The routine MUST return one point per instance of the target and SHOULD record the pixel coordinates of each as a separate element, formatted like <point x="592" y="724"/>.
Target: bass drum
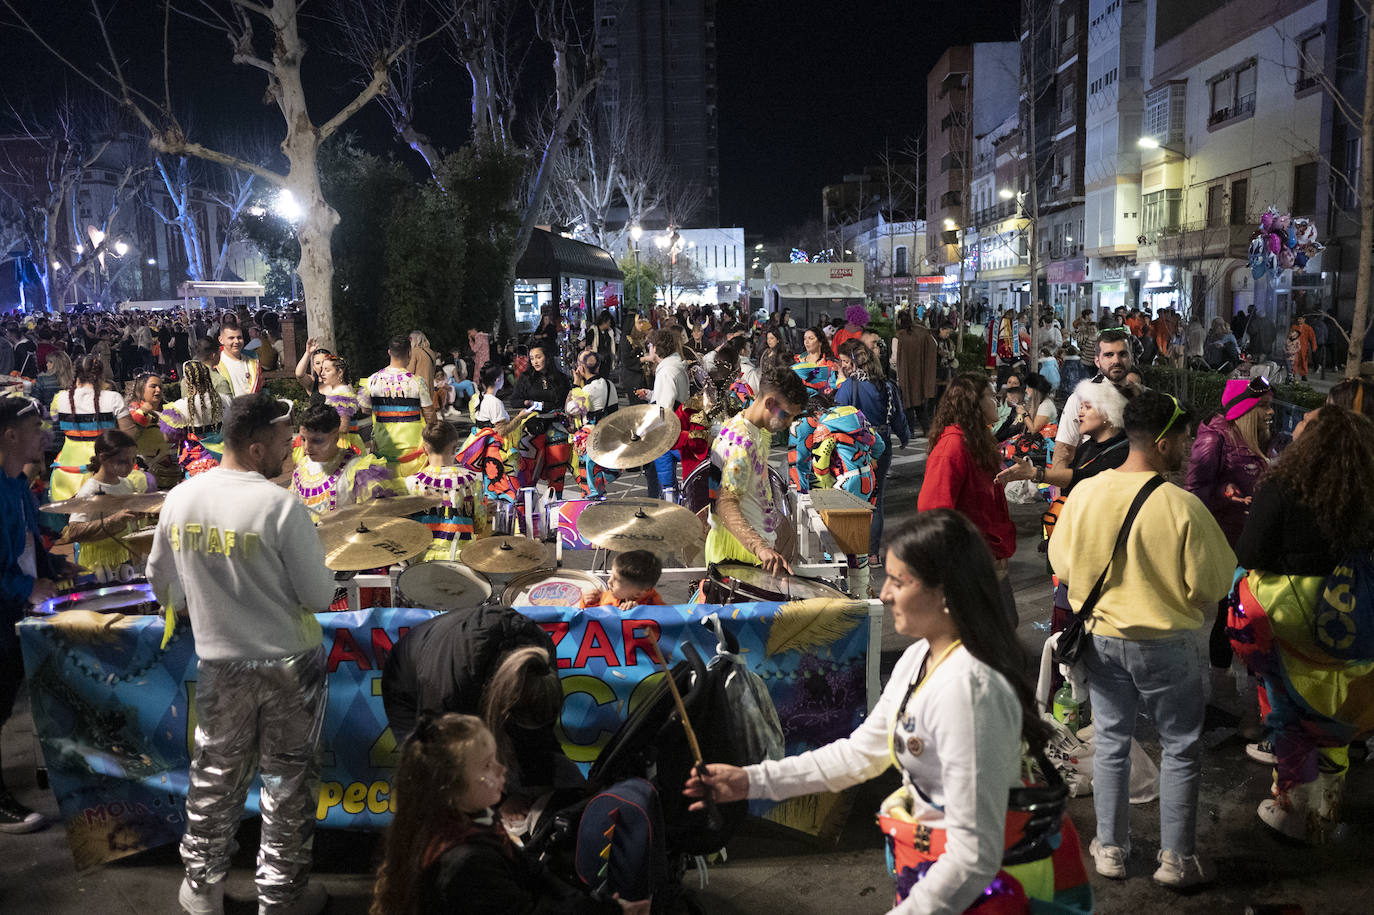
<point x="441" y="585"/>
<point x="696" y="489"/>
<point x="549" y="588"/>
<point x="739" y="582"/>
<point x="131" y="600"/>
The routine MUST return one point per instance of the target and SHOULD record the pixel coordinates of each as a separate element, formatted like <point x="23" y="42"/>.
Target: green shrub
<point x="1202" y="391"/>
<point x="290" y="389"/>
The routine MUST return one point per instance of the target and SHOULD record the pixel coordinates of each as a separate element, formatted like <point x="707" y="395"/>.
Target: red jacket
<point x="953" y="480"/>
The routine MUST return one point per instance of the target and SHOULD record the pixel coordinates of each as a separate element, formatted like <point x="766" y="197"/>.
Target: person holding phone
<point x="544" y="447"/>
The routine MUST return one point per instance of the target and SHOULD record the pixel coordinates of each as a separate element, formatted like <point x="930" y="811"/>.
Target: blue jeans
<point x="875" y="526"/>
<point x="1164" y="677"/>
<point x="661" y="474"/>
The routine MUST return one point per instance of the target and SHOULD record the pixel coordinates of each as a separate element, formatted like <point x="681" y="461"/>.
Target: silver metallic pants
<point x="256" y="716"/>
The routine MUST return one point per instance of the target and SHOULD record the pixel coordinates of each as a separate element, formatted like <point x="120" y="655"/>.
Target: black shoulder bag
<point x="1074" y="637"/>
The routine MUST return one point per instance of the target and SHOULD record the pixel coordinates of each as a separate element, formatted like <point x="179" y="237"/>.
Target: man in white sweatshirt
<point x="242" y="558"/>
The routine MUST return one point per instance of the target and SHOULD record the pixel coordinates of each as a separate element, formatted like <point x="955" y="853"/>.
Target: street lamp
<point x="287" y="207"/>
<point x="636" y="233"/>
<point x="152" y="262"/>
<point x="1153" y="143"/>
<point x="121" y="249"/>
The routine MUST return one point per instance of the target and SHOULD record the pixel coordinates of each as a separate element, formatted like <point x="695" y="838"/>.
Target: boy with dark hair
<point x="401" y="407"/>
<point x="633" y="577"/>
<point x="327" y="477"/>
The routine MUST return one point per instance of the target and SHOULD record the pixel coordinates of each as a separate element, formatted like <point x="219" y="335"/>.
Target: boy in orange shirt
<point x="633" y="576"/>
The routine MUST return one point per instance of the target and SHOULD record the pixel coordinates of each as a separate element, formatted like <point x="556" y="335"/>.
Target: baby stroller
<point x="652" y="745"/>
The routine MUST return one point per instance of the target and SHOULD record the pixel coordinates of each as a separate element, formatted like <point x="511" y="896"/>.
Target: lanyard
<point x="912" y="689"/>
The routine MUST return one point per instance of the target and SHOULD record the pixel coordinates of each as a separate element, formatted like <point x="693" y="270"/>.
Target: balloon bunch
<point x="1282" y="243"/>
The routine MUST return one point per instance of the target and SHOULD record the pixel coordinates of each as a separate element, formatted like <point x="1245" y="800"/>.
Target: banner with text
<point x="115" y="713"/>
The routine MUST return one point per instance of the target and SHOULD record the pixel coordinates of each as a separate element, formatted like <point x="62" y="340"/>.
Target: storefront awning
<point x="818" y="291"/>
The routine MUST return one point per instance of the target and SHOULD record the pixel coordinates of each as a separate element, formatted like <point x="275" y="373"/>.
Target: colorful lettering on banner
<point x="115" y="719"/>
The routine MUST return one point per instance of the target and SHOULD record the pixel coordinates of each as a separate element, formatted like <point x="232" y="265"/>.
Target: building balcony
<point x="952" y="160"/>
<point x="1199" y="240"/>
<point x="951" y="199"/>
<point x="1223" y="116"/>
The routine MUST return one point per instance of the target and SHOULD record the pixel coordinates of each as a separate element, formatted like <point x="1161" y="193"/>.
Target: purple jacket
<point x="1220" y="456"/>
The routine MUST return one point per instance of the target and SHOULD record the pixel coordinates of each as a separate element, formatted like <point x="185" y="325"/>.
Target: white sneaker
<point x="1110" y="860"/>
<point x="1262" y="752"/>
<point x="311" y="901"/>
<point x="1180" y="872"/>
<point x="209" y="901"/>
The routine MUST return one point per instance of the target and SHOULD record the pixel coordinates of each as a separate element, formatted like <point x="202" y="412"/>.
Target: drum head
<point x="696" y="493"/>
<point x="128" y="599"/>
<point x="752" y="582"/>
<point x="549" y="588"/>
<point x="442" y="585"/>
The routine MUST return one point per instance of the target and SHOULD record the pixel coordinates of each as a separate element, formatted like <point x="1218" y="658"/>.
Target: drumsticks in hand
<point x="713" y="820"/>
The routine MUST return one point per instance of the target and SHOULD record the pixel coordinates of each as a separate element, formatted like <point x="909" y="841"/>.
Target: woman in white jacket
<point x="956" y="718"/>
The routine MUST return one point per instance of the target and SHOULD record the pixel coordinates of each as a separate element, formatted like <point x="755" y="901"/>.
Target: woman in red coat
<point x="962" y="468"/>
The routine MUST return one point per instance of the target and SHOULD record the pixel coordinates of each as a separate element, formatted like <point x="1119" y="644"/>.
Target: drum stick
<point x="713" y="819"/>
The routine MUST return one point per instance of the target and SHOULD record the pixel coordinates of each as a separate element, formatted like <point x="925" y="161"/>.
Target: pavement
<point x="771" y="870"/>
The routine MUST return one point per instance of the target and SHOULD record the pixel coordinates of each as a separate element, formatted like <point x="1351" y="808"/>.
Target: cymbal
<point x="373" y="543"/>
<point x="503" y="554"/>
<point x="660" y="527"/>
<point x="107" y="504"/>
<point x="633" y="436"/>
<point x="141" y="541"/>
<point x="391" y="507"/>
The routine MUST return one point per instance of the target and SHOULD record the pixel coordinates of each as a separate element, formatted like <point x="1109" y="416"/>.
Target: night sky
<point x="807" y="91"/>
<point x="810" y="91"/>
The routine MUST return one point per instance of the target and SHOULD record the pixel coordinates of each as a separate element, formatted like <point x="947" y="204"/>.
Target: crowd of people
<point x="1231" y="569"/>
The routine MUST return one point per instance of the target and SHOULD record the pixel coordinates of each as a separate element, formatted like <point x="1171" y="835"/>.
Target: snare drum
<point x="441" y="585"/>
<point x="549" y="588"/>
<point x="132" y="599"/>
<point x="736" y="582"/>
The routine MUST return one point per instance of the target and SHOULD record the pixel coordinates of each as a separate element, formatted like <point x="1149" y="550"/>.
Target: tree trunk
<point x="1359" y="323"/>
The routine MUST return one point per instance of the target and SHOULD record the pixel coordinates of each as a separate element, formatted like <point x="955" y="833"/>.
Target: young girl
<point x="339" y="394"/>
<point x="114" y="473"/>
<point x="446" y="850"/>
<point x="193" y="423"/>
<point x="145" y="403"/>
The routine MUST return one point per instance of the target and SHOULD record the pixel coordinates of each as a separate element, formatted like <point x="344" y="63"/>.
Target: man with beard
<point x="242" y="558"/>
<point x="1113" y="361"/>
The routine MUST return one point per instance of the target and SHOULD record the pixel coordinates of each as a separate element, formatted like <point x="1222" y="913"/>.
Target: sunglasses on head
<point x="1178" y="411"/>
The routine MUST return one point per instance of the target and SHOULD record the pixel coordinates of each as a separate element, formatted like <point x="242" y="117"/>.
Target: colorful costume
<point x="80" y="424"/>
<point x="244" y="374"/>
<point x="543" y="452"/>
<point x="819" y="377"/>
<point x="592" y="478"/>
<point x="694" y="442"/>
<point x="739" y="464"/>
<point x="844" y="452"/>
<point x="153" y="447"/>
<point x="104" y="558"/>
<point x="344" y="400"/>
<point x="199" y="445"/>
<point x="1317" y="673"/>
<point x="486" y="452"/>
<point x="799" y="443"/>
<point x="350" y="478"/>
<point x="396" y="399"/>
<point x="463" y="514"/>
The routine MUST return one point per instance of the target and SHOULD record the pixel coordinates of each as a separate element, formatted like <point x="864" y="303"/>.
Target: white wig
<point x="1105" y="398"/>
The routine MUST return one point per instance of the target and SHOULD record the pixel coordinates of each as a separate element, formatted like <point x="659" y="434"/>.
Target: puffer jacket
<point x="1220" y="457"/>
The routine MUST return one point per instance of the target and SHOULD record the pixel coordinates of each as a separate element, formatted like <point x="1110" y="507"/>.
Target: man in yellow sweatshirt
<point x="1144" y="651"/>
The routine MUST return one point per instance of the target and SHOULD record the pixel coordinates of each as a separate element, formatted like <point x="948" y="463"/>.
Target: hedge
<point x="1202" y="391"/>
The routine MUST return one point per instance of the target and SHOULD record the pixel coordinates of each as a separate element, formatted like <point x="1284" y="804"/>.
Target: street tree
<point x="264" y="35"/>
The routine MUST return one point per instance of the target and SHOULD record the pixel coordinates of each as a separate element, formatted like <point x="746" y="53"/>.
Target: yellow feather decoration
<point x="804" y="625"/>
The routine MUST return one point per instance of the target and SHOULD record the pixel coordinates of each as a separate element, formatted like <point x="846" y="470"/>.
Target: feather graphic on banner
<point x="804" y="625"/>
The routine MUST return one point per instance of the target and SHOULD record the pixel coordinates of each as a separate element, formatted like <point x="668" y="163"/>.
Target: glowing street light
<point x="287" y="207"/>
<point x="636" y="232"/>
<point x="758" y="247"/>
<point x="1006" y="193"/>
<point x="949" y="224"/>
<point x="152" y="262"/>
<point x="121" y="249"/>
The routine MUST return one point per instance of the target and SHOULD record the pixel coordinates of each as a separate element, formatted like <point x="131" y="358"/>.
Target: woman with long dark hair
<point x="817" y="364"/>
<point x="1312" y="656"/>
<point x="963" y="465"/>
<point x="954" y="717"/>
<point x="544" y="448"/>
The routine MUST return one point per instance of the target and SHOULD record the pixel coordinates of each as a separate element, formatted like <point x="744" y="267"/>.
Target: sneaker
<point x="311" y="901"/>
<point x="209" y="901"/>
<point x="1109" y="859"/>
<point x="16" y="818"/>
<point x="1262" y="752"/>
<point x="1181" y="871"/>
